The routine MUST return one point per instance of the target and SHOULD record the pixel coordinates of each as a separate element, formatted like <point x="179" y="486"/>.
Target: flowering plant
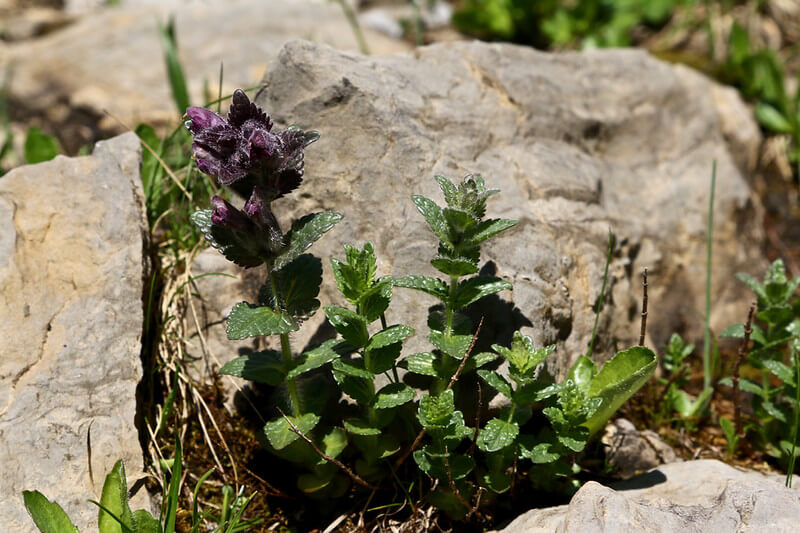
<point x="387" y="420"/>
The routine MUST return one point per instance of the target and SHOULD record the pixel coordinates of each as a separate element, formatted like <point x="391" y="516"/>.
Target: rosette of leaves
<point x="461" y="229"/>
<point x="779" y="314"/>
<point x="371" y="356"/>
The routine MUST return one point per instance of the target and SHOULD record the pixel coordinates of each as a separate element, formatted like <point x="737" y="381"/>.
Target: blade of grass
<point x="171" y="503"/>
<point x="177" y="80"/>
<point x="350" y="15"/>
<point x="707" y="330"/>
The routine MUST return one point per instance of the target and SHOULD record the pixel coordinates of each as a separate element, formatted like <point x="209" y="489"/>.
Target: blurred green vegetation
<point x="734" y="37"/>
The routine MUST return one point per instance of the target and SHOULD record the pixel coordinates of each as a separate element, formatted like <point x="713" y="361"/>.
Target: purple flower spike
<point x="245" y="146"/>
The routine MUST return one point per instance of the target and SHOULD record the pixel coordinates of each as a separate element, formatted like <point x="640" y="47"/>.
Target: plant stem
<point x="451" y="299"/>
<point x="707" y="332"/>
<point x="394" y="365"/>
<point x="286" y="347"/>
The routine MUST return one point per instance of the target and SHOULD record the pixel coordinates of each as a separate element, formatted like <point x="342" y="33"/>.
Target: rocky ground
<point x="578" y="143"/>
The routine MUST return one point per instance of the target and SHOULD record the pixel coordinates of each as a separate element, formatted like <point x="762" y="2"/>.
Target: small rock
<point x="632" y="452"/>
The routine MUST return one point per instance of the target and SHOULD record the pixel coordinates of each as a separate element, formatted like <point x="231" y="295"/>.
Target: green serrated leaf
<point x="448" y="188"/>
<point x="754" y="285"/>
<point x="298" y="284"/>
<point x="305" y="232"/>
<point x="774" y="411"/>
<point x="392" y="395"/>
<point x="350" y="325"/>
<point x="618" y="380"/>
<point x="48" y="516"/>
<point x="574" y="438"/>
<point x="353" y="367"/>
<point x="375" y="301"/>
<point x="247" y="320"/>
<point x="279" y="433"/>
<point x="333" y="443"/>
<point x="455" y="267"/>
<point x="497" y="435"/>
<point x="144" y="522"/>
<point x="458" y="222"/>
<point x="348" y="280"/>
<point x="497" y="382"/>
<point x="537" y="452"/>
<point x="435" y="217"/>
<point x="436" y="411"/>
<point x="262" y="367"/>
<point x="453" y="345"/>
<point x="480" y="359"/>
<point x="357" y="426"/>
<point x="114" y="499"/>
<point x="319" y="356"/>
<point x="241" y="250"/>
<point x="522" y="356"/>
<point x="423" y="363"/>
<point x="783" y="372"/>
<point x="384" y="359"/>
<point x="486" y="229"/>
<point x="433" y="286"/>
<point x="358" y="388"/>
<point x="474" y="289"/>
<point x="390" y="335"/>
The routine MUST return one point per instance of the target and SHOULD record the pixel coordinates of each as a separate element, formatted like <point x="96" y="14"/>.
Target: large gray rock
<point x="71" y="282"/>
<point x="111" y="60"/>
<point x="578" y="143"/>
<point x="704" y="496"/>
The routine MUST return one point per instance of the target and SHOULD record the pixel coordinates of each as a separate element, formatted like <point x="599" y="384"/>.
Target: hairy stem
<point x="449" y="311"/>
<point x="286" y="347"/>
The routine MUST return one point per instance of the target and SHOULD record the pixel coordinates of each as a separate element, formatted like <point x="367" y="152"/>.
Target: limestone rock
<point x="71" y="285"/>
<point x="112" y="60"/>
<point x="578" y="143"/>
<point x="631" y="452"/>
<point x="695" y="496"/>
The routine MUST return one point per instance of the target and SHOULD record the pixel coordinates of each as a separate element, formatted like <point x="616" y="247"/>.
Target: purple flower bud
<point x="225" y="215"/>
<point x="201" y="119"/>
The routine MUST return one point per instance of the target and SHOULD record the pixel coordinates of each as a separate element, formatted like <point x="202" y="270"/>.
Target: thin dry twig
<point x="643" y="328"/>
<point x="421" y="433"/>
<point x="452" y="482"/>
<point x="737" y="411"/>
<point x="355" y="477"/>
